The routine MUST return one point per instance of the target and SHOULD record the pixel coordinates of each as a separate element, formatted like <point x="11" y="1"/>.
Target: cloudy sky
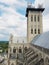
<point x="13" y="20"/>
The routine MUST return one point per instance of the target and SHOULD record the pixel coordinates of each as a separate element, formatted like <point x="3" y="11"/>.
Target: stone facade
<point x="24" y="53"/>
<point x="35" y="25"/>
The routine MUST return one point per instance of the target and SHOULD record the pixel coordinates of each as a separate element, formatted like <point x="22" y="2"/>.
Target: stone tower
<point x="34" y="21"/>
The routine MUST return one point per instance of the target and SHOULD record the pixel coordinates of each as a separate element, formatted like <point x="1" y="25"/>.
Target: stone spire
<point x="11" y="38"/>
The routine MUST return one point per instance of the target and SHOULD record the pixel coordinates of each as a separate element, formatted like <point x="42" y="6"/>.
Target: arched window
<point x="14" y="50"/>
<point x="25" y="48"/>
<point x="38" y="31"/>
<point x="10" y="55"/>
<point x="20" y="50"/>
<point x="35" y="18"/>
<point x="31" y="31"/>
<point x="31" y="18"/>
<point x="35" y="31"/>
<point x="38" y="18"/>
<point x="12" y="64"/>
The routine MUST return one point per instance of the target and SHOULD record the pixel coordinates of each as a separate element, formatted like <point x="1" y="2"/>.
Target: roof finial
<point x="29" y="4"/>
<point x="40" y="5"/>
<point x="11" y="38"/>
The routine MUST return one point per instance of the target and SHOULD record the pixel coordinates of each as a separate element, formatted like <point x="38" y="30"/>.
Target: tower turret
<point x="34" y="21"/>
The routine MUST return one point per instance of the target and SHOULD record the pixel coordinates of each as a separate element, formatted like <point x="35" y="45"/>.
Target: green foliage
<point x="4" y="45"/>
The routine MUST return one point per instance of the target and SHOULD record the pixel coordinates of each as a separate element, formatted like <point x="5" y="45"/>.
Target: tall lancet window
<point x="14" y="50"/>
<point x="31" y="31"/>
<point x="38" y="18"/>
<point x="35" y="18"/>
<point x="12" y="64"/>
<point x="31" y="18"/>
<point x="35" y="31"/>
<point x="20" y="50"/>
<point x="38" y="31"/>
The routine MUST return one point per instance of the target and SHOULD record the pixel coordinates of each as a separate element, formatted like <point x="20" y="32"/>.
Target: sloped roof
<point x="42" y="40"/>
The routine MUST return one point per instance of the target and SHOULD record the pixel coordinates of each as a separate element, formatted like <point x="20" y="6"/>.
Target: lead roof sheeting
<point x="42" y="40"/>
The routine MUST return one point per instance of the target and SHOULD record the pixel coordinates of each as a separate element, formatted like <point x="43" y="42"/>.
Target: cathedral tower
<point x="34" y="21"/>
